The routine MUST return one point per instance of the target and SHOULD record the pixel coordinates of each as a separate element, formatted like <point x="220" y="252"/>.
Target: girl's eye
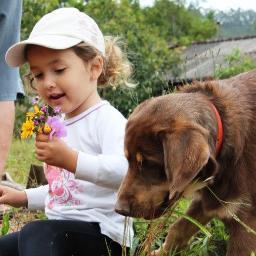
<point x="38" y="76"/>
<point x="60" y="70"/>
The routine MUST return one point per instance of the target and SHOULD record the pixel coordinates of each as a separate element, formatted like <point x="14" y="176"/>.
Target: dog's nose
<point x="123" y="207"/>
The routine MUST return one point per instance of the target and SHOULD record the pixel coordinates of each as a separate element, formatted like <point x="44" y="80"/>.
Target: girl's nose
<point x="49" y="83"/>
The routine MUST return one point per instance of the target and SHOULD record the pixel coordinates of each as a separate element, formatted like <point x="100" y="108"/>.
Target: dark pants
<point x="59" y="238"/>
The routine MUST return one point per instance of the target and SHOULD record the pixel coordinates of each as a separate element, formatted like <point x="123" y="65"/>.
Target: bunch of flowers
<point x="43" y="119"/>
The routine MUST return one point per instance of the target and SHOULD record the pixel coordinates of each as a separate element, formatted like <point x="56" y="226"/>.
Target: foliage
<point x="5" y="224"/>
<point x="235" y="63"/>
<point x="210" y="240"/>
<point x="181" y="25"/>
<point x="21" y="106"/>
<point x="33" y="10"/>
<point x="201" y="244"/>
<point x="22" y="155"/>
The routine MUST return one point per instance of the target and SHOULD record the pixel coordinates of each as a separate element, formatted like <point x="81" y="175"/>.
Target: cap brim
<point x="15" y="55"/>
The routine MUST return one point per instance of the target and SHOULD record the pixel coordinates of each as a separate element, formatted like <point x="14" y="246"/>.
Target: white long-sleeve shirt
<point x="89" y="195"/>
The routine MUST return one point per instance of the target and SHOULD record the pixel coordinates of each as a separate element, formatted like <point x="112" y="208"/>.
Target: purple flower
<point x="57" y="110"/>
<point x="58" y="128"/>
<point x="36" y="122"/>
<point x="35" y="100"/>
<point x="44" y="108"/>
<point x="42" y="118"/>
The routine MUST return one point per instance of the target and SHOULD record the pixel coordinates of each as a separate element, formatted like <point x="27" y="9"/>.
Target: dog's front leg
<point x="242" y="237"/>
<point x="182" y="230"/>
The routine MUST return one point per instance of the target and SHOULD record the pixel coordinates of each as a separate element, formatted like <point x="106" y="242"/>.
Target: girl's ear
<point x="96" y="67"/>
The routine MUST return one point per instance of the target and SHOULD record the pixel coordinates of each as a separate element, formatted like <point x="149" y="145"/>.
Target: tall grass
<point x="211" y="239"/>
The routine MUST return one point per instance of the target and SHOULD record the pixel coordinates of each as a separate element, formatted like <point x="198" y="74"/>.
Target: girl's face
<point x="63" y="80"/>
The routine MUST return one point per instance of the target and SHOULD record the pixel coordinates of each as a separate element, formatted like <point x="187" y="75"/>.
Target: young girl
<point x="68" y="57"/>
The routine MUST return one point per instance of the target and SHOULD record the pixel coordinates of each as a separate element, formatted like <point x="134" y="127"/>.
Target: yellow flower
<point x="40" y="130"/>
<point x="37" y="110"/>
<point x="27" y="129"/>
<point x="47" y="129"/>
<point x="30" y="115"/>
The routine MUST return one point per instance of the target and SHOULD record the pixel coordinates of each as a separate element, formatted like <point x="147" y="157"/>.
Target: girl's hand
<point x="13" y="197"/>
<point x="55" y="152"/>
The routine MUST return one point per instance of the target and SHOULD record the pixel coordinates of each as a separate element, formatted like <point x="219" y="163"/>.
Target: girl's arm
<point x="36" y="197"/>
<point x="108" y="168"/>
<point x="32" y="198"/>
<point x="12" y="197"/>
<point x="104" y="170"/>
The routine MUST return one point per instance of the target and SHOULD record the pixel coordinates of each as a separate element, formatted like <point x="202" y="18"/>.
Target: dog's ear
<point x="186" y="152"/>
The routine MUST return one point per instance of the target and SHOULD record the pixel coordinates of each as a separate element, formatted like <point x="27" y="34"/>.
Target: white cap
<point x="59" y="29"/>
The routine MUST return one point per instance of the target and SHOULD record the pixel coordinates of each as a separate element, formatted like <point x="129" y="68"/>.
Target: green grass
<point x="22" y="155"/>
<point x="211" y="240"/>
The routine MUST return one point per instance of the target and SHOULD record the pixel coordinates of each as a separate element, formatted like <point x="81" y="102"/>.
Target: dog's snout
<point x="123" y="207"/>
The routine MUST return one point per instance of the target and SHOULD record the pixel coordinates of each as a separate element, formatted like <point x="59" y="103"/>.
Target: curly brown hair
<point x="116" y="67"/>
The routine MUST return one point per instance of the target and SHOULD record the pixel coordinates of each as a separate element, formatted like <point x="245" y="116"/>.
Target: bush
<point x="236" y="63"/>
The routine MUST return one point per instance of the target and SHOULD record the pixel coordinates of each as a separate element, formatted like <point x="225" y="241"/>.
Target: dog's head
<point x="168" y="154"/>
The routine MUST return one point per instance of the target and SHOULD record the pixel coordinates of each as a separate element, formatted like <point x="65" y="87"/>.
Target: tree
<point x="179" y="24"/>
<point x="236" y="23"/>
<point x="33" y="10"/>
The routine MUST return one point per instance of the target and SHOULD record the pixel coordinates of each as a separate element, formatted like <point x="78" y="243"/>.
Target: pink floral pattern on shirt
<point x="62" y="187"/>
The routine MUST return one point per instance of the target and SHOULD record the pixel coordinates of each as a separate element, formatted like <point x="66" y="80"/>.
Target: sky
<point x="223" y="5"/>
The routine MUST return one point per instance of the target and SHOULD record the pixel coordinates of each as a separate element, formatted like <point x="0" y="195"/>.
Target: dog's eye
<point x="139" y="159"/>
<point x="154" y="172"/>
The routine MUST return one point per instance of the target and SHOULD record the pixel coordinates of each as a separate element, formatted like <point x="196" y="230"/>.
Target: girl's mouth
<point x="56" y="96"/>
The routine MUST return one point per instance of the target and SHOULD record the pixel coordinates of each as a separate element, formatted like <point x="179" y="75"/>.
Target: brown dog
<point x="200" y="139"/>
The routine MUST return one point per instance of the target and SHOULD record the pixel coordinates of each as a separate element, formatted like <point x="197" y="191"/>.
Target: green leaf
<point x="195" y="222"/>
<point x="5" y="224"/>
